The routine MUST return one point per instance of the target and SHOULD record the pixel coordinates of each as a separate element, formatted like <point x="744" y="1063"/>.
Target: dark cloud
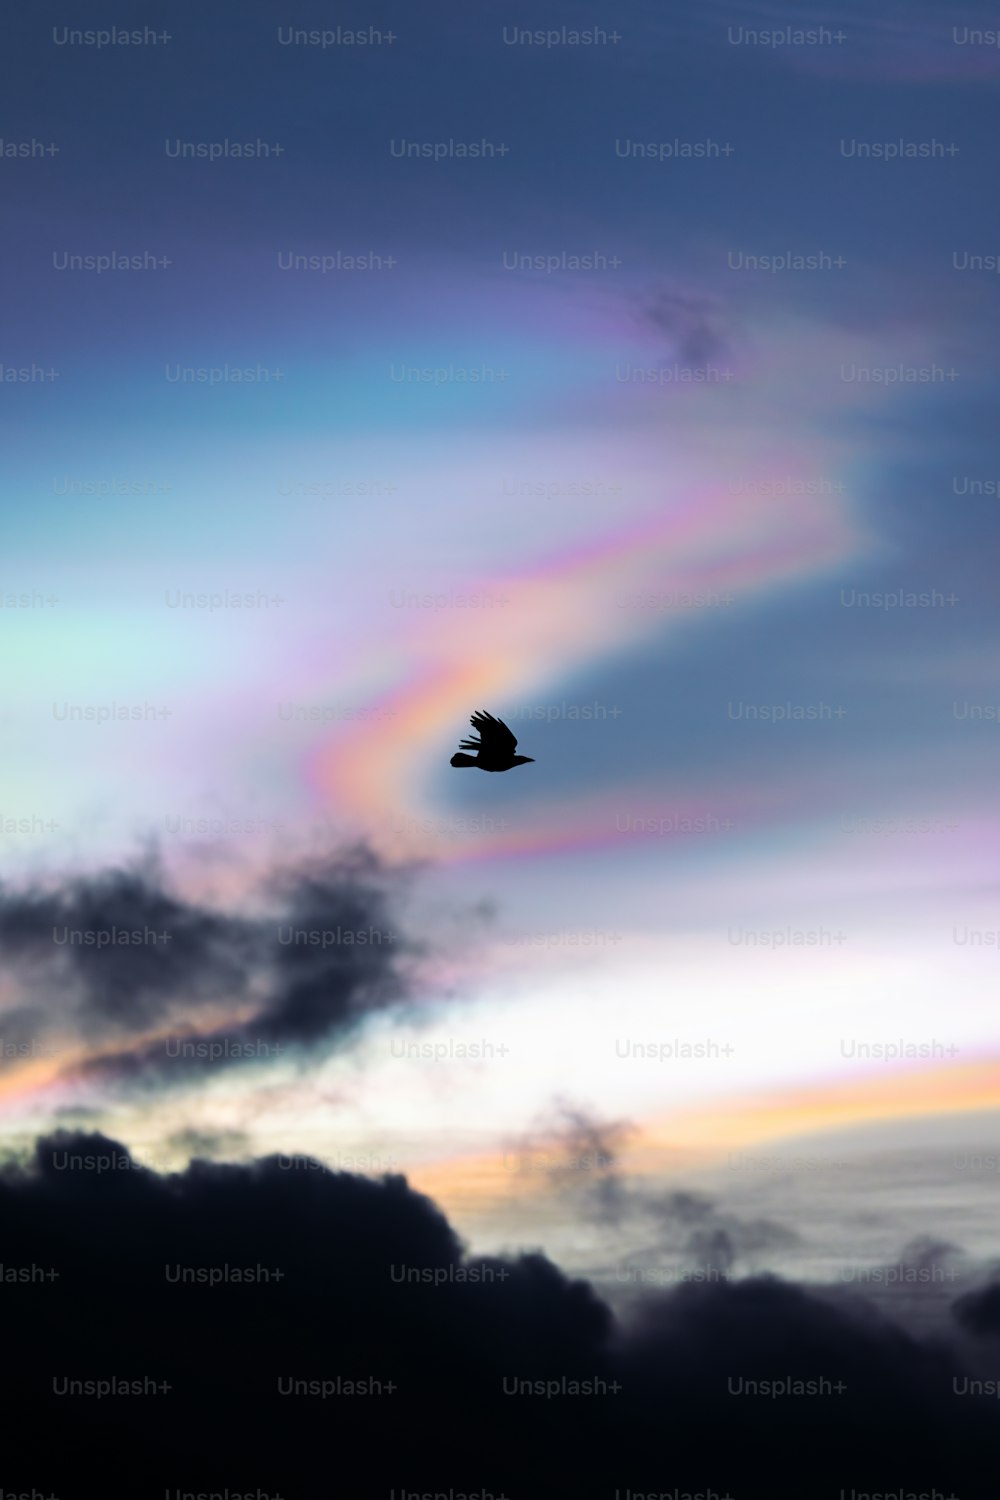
<point x="978" y="1312"/>
<point x="713" y="1239"/>
<point x="585" y="1167"/>
<point x="347" y="1305"/>
<point x="121" y="949"/>
<point x="697" y="329"/>
<point x="586" y="1158"/>
<point x="320" y="989"/>
<point x="577" y="1153"/>
<point x="323" y="952"/>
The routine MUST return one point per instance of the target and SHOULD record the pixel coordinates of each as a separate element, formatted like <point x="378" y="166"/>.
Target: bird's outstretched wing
<point x="493" y="735"/>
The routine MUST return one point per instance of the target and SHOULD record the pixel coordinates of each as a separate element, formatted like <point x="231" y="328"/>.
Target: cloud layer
<point x="162" y="1281"/>
<point x="149" y="987"/>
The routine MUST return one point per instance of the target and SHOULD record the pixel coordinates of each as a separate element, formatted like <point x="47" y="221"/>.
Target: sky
<point x="628" y="373"/>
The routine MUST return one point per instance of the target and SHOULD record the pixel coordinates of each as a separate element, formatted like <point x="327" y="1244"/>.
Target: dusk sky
<point x="629" y="373"/>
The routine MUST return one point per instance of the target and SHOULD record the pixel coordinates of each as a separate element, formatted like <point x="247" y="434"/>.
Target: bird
<point x="495" y="746"/>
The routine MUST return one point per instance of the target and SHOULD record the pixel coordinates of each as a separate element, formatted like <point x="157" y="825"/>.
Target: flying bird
<point x="495" y="746"/>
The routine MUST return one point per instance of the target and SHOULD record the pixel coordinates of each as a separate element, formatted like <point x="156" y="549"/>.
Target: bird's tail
<point x="463" y="760"/>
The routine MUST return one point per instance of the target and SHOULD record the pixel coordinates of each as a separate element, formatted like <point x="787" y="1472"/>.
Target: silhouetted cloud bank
<point x="237" y="1286"/>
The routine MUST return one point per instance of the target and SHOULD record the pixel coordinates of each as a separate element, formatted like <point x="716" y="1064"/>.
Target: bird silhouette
<point x="495" y="746"/>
